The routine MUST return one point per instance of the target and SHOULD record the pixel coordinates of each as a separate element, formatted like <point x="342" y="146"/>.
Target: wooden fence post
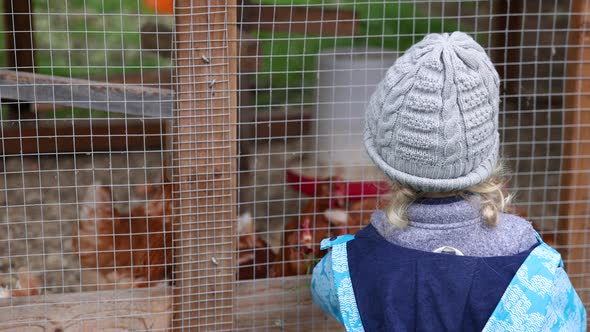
<point x="506" y="43"/>
<point x="204" y="164"/>
<point x="19" y="49"/>
<point x="574" y="234"/>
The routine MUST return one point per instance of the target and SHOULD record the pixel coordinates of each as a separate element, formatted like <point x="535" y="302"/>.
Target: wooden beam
<point x="18" y="25"/>
<point x="304" y="19"/>
<point x="142" y="309"/>
<point x="275" y="124"/>
<point x="204" y="162"/>
<point x="515" y="17"/>
<point x="506" y="42"/>
<point x="118" y="98"/>
<point x="574" y="228"/>
<point x="160" y="78"/>
<point x="499" y="35"/>
<point x="80" y="136"/>
<point x="19" y="49"/>
<point x="281" y="304"/>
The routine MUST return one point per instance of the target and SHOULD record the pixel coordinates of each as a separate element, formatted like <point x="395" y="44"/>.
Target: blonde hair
<point x="491" y="194"/>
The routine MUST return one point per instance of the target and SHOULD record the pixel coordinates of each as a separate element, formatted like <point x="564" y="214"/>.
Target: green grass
<point x="94" y="38"/>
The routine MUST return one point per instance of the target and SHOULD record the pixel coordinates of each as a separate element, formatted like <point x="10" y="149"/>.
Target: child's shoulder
<point x="516" y="222"/>
<point x="518" y="229"/>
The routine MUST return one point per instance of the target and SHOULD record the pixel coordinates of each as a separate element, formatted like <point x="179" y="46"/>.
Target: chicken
<point x="27" y="285"/>
<point x="126" y="250"/>
<point x="324" y="216"/>
<point x="254" y="254"/>
<point x="302" y="235"/>
<point x="360" y="211"/>
<point x="300" y="246"/>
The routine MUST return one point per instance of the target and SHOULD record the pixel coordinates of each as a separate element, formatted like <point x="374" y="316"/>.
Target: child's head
<point x="432" y="124"/>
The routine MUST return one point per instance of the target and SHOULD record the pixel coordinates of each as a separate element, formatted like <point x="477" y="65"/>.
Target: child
<point x="443" y="256"/>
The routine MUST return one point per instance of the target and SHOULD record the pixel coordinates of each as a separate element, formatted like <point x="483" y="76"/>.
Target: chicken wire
<point x="319" y="120"/>
<point x="82" y="160"/>
<point x="245" y="224"/>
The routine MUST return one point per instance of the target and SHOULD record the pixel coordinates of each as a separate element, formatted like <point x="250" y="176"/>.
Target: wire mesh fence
<point x="85" y="102"/>
<point x="176" y="163"/>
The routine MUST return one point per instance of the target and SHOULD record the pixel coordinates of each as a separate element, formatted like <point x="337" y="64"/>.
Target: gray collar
<point x="460" y="212"/>
<point x="431" y="215"/>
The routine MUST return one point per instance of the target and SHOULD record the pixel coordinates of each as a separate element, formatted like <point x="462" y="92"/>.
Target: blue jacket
<point x="368" y="283"/>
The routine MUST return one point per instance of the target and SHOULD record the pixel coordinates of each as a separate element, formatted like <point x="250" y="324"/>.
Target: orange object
<point x="161" y="6"/>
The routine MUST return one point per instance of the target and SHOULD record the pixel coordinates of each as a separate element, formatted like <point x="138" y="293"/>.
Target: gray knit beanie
<point x="432" y="123"/>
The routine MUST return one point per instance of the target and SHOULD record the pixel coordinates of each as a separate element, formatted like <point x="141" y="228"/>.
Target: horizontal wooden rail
<point x="93" y="95"/>
<point x="281" y="304"/>
<point x="146" y="309"/>
<point x="80" y="136"/>
<point x="305" y="19"/>
<point x="132" y="134"/>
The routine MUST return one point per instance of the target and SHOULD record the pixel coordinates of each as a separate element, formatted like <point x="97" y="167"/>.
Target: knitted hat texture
<point x="432" y="123"/>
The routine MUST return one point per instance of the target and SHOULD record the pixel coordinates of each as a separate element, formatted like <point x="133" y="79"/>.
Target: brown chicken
<point x="254" y="254"/>
<point x="27" y="285"/>
<point x="300" y="248"/>
<point x="302" y="235"/>
<point x="325" y="216"/>
<point x="360" y="211"/>
<point x="126" y="250"/>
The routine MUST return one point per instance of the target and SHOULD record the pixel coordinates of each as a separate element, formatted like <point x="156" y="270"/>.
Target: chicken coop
<point x="173" y="165"/>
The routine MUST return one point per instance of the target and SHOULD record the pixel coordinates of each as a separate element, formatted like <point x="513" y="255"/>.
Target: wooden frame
<point x="283" y="304"/>
<point x="140" y="309"/>
<point x="507" y="20"/>
<point x="574" y="230"/>
<point x="298" y="19"/>
<point x="50" y="137"/>
<point x="204" y="145"/>
<point x="99" y="96"/>
<point x="18" y="24"/>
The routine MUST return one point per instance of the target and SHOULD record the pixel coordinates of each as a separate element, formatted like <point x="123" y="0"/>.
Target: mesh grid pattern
<point x="177" y="162"/>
